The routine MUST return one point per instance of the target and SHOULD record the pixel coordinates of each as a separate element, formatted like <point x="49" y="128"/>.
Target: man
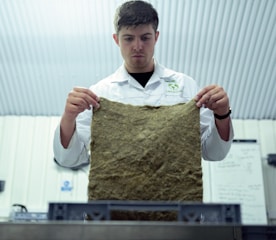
<point x="141" y="80"/>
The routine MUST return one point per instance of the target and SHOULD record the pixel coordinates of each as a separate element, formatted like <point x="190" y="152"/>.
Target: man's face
<point x="137" y="47"/>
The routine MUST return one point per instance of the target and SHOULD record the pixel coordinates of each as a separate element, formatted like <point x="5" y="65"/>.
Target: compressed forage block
<point x="145" y="153"/>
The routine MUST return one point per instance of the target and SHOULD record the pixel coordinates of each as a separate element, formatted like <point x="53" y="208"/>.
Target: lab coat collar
<point x="160" y="72"/>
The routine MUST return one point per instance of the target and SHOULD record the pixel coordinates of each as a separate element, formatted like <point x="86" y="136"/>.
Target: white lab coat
<point x="165" y="87"/>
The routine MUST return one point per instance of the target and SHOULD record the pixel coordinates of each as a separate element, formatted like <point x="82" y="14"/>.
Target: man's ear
<point x="156" y="35"/>
<point x="116" y="38"/>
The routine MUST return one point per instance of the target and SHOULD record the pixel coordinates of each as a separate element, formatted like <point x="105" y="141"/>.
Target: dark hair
<point x="134" y="13"/>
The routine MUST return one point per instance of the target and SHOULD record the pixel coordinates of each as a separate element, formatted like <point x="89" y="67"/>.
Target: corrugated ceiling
<point x="49" y="46"/>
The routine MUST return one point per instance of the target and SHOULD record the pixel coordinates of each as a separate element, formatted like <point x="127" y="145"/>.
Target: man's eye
<point x="128" y="39"/>
<point x="145" y="38"/>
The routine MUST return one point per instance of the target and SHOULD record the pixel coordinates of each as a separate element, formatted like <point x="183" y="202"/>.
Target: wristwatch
<point x="220" y="117"/>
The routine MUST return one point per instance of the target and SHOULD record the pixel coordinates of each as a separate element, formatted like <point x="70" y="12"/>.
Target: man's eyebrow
<point x="131" y="35"/>
<point x="127" y="35"/>
<point x="147" y="34"/>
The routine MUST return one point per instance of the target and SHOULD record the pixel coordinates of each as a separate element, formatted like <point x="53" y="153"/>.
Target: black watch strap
<point x="220" y="117"/>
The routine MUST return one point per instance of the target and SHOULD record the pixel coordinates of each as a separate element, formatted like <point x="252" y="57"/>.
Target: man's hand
<point x="78" y="100"/>
<point x="215" y="98"/>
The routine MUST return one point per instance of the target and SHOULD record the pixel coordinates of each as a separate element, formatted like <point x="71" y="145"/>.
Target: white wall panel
<point x="268" y="140"/>
<point x="33" y="179"/>
<point x="26" y="164"/>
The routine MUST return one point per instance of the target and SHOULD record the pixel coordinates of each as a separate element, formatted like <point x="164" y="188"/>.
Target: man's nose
<point x="138" y="45"/>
